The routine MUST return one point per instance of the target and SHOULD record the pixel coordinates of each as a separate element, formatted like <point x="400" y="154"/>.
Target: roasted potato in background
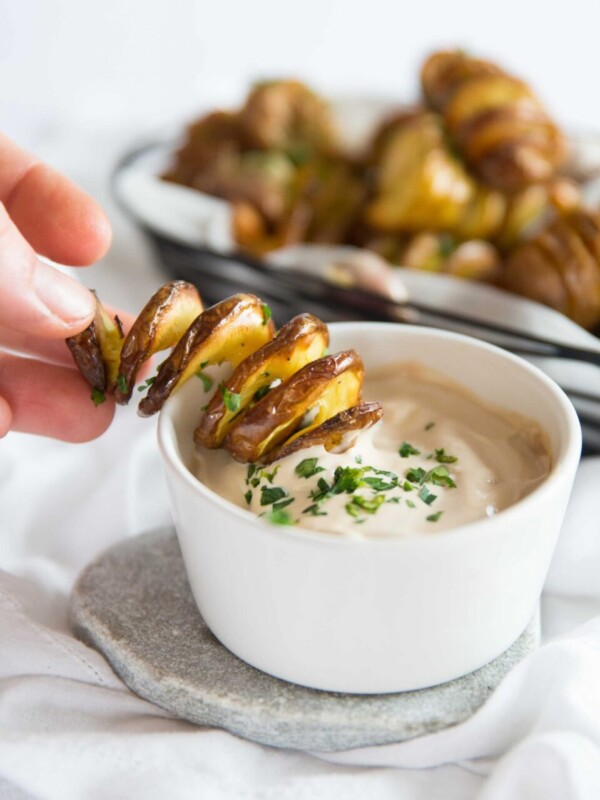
<point x="499" y="126"/>
<point x="561" y="267"/>
<point x="457" y="183"/>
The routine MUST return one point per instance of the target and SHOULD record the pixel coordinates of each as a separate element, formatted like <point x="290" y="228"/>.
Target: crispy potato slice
<point x="336" y="434"/>
<point x="161" y="324"/>
<point x="302" y="340"/>
<point x="228" y="331"/>
<point x="330" y="384"/>
<point x="96" y="350"/>
<point x="498" y="124"/>
<point x="422" y="186"/>
<point x="444" y="70"/>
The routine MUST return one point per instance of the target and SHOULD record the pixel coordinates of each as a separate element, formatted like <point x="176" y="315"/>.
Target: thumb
<point x="35" y="298"/>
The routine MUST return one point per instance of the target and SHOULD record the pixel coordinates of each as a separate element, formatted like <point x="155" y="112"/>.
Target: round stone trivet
<point x="134" y="604"/>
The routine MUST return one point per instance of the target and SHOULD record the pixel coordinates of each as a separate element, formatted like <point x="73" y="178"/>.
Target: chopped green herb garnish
<point x="146" y="384"/>
<point x="407" y="486"/>
<point x="429" y="426"/>
<point x="279" y="517"/>
<point x="204" y="408"/>
<point x="307" y="468"/>
<point x="442" y="458"/>
<point x="347" y="479"/>
<point x="406" y="450"/>
<point x="322" y="491"/>
<point x="315" y="510"/>
<point x="395" y="499"/>
<point x="267" y="313"/>
<point x="207" y="381"/>
<point x="415" y="475"/>
<point x="283" y="503"/>
<point x="260" y="393"/>
<point x="271" y="494"/>
<point x="232" y="400"/>
<point x="122" y="383"/>
<point x="380" y="485"/>
<point x="269" y="476"/>
<point x="358" y="459"/>
<point x="97" y="397"/>
<point x="426" y="496"/>
<point x="410" y="504"/>
<point x="434" y="517"/>
<point x="353" y="510"/>
<point x="254" y="482"/>
<point x="370" y="505"/>
<point x="439" y="477"/>
<point x="248" y="496"/>
<point x="250" y="471"/>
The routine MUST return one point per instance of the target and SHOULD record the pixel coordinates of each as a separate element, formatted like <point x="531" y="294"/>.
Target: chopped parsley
<point x="439" y="476"/>
<point x="415" y="474"/>
<point x="283" y="503"/>
<point x="267" y="313"/>
<point x="442" y="457"/>
<point x="207" y="381"/>
<point x="406" y="450"/>
<point x="248" y="496"/>
<point x="370" y="505"/>
<point x="434" y="517"/>
<point x="260" y="393"/>
<point x="426" y="496"/>
<point x="308" y="468"/>
<point x="279" y="517"/>
<point x="271" y="494"/>
<point x="232" y="400"/>
<point x="314" y="510"/>
<point x="358" y="459"/>
<point x="146" y="384"/>
<point x="122" y="383"/>
<point x="97" y="397"/>
<point x="410" y="504"/>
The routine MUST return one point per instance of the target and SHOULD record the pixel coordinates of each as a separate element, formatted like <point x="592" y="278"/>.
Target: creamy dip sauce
<point x="439" y="458"/>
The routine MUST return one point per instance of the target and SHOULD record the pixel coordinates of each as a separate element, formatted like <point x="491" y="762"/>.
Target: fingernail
<point x="63" y="296"/>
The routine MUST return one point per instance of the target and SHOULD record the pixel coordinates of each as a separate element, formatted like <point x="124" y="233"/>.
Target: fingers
<point x="35" y="298"/>
<point x="53" y="350"/>
<point x="49" y="400"/>
<point x="59" y="220"/>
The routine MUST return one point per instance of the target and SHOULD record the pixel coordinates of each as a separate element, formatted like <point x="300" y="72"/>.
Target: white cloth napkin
<point x="70" y="729"/>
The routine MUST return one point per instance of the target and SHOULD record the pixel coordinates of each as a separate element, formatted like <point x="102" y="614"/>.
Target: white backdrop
<point x="144" y="62"/>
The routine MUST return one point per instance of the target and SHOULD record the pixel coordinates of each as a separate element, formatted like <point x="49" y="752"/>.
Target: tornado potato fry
<point x="302" y="340"/>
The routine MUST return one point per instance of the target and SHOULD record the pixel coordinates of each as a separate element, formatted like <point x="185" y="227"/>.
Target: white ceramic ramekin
<point x="382" y="615"/>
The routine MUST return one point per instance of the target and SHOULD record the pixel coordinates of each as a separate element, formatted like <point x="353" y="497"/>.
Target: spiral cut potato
<point x="498" y="124"/>
<point x="561" y="267"/>
<point x="284" y="393"/>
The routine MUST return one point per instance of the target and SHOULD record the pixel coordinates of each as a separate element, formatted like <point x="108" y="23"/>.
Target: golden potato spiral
<point x="284" y="393"/>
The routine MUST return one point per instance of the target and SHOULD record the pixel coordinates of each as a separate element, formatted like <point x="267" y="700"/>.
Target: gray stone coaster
<point x="134" y="605"/>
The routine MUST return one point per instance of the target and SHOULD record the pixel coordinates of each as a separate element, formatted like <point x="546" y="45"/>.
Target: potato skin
<point x="280" y="412"/>
<point x="86" y="352"/>
<point x="161" y="324"/>
<point x="303" y="339"/>
<point x="561" y="267"/>
<point x="332" y="433"/>
<point x="227" y="331"/>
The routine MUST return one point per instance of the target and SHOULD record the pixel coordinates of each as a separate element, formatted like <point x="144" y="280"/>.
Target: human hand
<point x="42" y="212"/>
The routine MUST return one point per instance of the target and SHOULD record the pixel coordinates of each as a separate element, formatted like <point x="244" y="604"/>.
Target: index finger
<point x="58" y="219"/>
